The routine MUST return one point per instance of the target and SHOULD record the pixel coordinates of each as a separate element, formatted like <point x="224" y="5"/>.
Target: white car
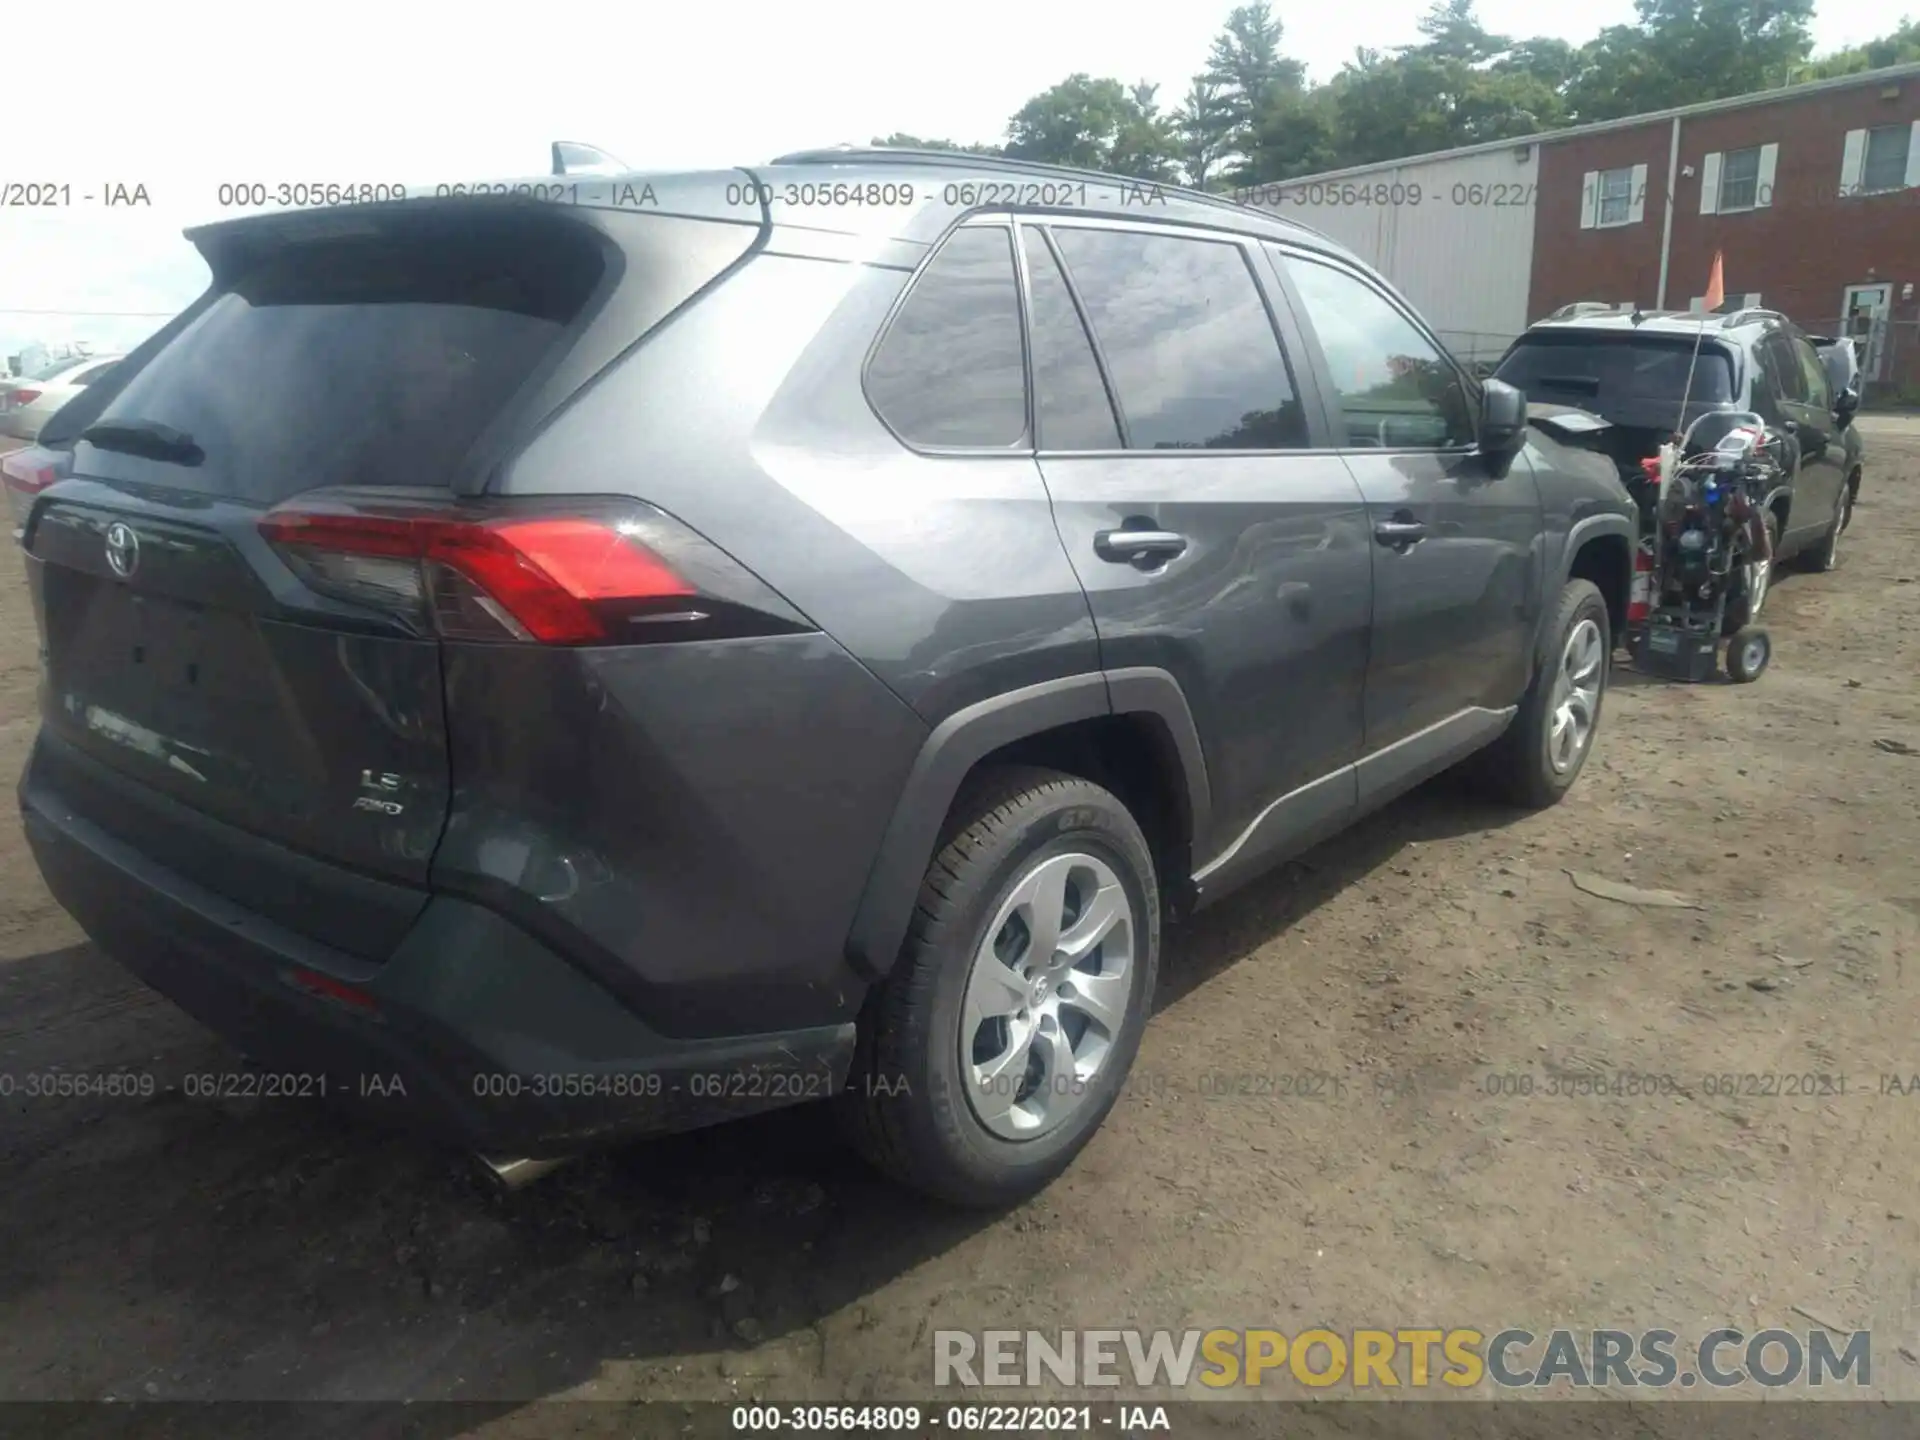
<point x="29" y="402"/>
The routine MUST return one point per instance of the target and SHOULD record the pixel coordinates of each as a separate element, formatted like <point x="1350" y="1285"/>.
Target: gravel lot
<point x="189" y="1249"/>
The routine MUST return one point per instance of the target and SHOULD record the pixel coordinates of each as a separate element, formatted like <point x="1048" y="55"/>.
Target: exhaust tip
<point x="517" y="1174"/>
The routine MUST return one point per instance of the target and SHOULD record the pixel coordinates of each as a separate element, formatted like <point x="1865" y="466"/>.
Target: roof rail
<point x="1751" y="312"/>
<point x="967" y="159"/>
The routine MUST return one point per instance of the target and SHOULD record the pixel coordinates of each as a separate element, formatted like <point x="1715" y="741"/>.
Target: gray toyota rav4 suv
<point x="606" y="657"/>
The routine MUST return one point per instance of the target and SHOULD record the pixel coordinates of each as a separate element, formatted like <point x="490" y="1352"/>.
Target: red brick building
<point x="1811" y="196"/>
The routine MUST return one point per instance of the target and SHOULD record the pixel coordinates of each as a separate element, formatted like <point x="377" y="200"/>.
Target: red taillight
<point x="547" y="573"/>
<point x="325" y="987"/>
<point x="26" y="474"/>
<point x="17" y="398"/>
<point x="537" y="578"/>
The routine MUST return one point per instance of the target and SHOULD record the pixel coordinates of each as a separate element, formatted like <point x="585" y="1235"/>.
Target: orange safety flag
<point x="1716" y="287"/>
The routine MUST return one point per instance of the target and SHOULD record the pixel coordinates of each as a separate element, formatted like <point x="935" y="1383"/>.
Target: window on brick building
<point x="1616" y="196"/>
<point x="1736" y="180"/>
<point x="1613" y="197"/>
<point x="1884" y="164"/>
<point x="1739" y="179"/>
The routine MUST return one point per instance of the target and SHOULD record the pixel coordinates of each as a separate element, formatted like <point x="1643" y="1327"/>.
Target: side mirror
<point x="1845" y="404"/>
<point x="1503" y="418"/>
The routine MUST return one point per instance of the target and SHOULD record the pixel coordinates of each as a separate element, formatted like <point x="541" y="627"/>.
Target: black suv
<point x="604" y="659"/>
<point x="1631" y="369"/>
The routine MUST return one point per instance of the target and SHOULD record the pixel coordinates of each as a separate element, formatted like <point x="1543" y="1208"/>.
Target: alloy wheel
<point x="1048" y="995"/>
<point x="1576" y="696"/>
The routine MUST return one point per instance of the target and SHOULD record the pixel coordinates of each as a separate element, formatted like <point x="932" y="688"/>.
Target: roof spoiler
<point x="570" y="157"/>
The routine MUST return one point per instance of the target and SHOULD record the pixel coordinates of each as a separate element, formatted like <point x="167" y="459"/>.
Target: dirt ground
<point x="187" y="1249"/>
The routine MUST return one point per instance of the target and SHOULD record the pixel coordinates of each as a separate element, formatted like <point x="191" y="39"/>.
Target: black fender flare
<point x="1780" y="492"/>
<point x="1588" y="527"/>
<point x="960" y="742"/>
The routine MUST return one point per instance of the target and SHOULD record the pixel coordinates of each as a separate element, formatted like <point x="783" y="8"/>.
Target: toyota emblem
<point x="123" y="549"/>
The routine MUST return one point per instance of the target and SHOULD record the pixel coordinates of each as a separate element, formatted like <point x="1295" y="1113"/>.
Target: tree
<point x="1297" y="134"/>
<point x="901" y="140"/>
<point x="1460" y="85"/>
<point x="1682" y="51"/>
<point x="1902" y="47"/>
<point x="1203" y="128"/>
<point x="1148" y="143"/>
<point x="1248" y="73"/>
<point x="1249" y="117"/>
<point x="1454" y="32"/>
<point x="1095" y="125"/>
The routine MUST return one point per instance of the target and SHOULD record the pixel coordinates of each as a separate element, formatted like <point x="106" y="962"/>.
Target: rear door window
<point x="1189" y="346"/>
<point x="375" y="360"/>
<point x="950" y="369"/>
<point x="1783" y="366"/>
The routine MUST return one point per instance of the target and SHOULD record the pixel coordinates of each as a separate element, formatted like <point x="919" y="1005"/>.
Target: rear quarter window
<point x="950" y="369"/>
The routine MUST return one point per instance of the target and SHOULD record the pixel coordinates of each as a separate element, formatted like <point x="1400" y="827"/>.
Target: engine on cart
<point x="1710" y="550"/>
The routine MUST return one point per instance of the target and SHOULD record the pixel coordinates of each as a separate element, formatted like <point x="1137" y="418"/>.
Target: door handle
<point x="1400" y="534"/>
<point x="1135" y="546"/>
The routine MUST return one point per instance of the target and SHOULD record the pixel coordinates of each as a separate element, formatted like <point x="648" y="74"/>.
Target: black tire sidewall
<point x="1740" y="672"/>
<point x="1091" y="822"/>
<point x="1575" y="605"/>
<point x="1826" y="555"/>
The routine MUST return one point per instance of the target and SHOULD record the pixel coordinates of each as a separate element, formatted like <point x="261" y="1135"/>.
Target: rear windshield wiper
<point x="147" y="438"/>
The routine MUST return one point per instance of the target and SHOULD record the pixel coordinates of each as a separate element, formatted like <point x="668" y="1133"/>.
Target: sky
<point x="180" y="98"/>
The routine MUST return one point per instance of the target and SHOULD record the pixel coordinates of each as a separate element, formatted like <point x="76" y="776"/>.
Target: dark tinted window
<point x="1603" y="372"/>
<point x="1396" y="390"/>
<point x="1740" y="180"/>
<point x="1070" y="402"/>
<point x="949" y="370"/>
<point x="1884" y="164"/>
<point x="1784" y="364"/>
<point x="1191" y="352"/>
<point x="1814" y="372"/>
<point x="376" y="360"/>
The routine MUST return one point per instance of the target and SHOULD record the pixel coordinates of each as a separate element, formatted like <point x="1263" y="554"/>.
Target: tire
<point x="1748" y="652"/>
<point x="1739" y="612"/>
<point x="1825" y="556"/>
<point x="914" y="1104"/>
<point x="1523" y="767"/>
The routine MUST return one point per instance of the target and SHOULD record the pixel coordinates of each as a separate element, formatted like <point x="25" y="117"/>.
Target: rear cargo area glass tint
<point x="1603" y="372"/>
<point x="371" y="360"/>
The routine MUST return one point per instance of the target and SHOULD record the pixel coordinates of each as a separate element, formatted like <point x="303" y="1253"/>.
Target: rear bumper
<point x="473" y="1031"/>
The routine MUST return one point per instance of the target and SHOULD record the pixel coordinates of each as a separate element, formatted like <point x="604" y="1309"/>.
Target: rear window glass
<point x="376" y="360"/>
<point x="1601" y="373"/>
<point x="52" y="368"/>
